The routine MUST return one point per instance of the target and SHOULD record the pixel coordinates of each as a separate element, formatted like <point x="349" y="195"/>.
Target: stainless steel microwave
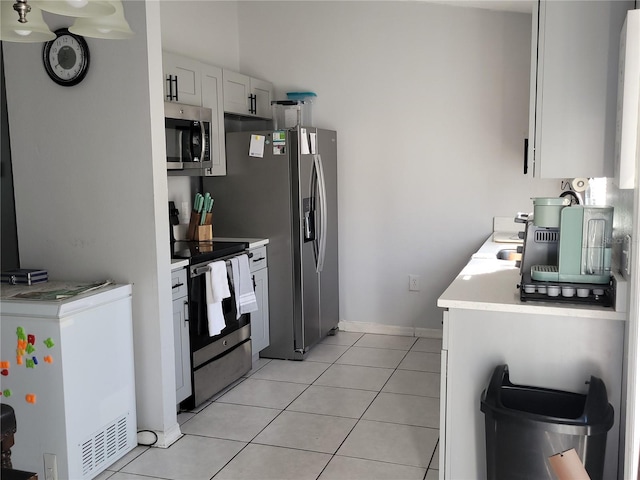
<point x="187" y="133"/>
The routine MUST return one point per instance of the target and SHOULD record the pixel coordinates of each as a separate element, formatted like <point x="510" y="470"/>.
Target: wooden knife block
<point x="200" y="232"/>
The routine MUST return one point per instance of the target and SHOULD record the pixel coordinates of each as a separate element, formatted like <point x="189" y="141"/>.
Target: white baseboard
<point x="164" y="439"/>
<point x="380" y="329"/>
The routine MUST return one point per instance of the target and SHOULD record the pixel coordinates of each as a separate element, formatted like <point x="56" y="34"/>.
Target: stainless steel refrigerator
<point x="282" y="185"/>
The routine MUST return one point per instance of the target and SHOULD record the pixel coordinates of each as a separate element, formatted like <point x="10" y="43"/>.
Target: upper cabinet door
<point x="247" y="96"/>
<point x="262" y="92"/>
<point x="212" y="98"/>
<point x="237" y="91"/>
<point x="182" y="83"/>
<point x="574" y="87"/>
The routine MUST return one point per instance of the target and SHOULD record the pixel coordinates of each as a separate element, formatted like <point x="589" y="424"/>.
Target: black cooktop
<point x="204" y="251"/>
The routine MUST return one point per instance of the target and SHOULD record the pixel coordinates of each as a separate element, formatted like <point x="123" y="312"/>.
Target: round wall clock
<point x="66" y="58"/>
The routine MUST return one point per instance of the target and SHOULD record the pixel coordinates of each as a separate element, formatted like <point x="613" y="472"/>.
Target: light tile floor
<point x="361" y="406"/>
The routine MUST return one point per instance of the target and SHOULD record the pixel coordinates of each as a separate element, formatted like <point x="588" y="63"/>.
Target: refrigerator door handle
<point x="322" y="190"/>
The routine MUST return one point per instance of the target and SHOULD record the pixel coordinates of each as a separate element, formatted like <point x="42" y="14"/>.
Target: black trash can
<point x="525" y="426"/>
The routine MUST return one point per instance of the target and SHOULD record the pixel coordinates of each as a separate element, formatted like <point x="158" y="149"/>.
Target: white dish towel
<point x="243" y="285"/>
<point x="217" y="287"/>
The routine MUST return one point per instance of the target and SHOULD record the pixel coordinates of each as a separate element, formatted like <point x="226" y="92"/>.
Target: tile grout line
<point x="365" y="410"/>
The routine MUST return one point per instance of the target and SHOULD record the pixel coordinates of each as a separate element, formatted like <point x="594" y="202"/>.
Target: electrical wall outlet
<point x="414" y="283"/>
<point x="50" y="467"/>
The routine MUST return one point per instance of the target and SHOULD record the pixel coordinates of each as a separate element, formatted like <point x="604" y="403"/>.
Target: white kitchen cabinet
<point x="260" y="318"/>
<point x="573" y="89"/>
<point x="247" y="96"/>
<point x="545" y="344"/>
<point x="550" y="351"/>
<point x="195" y="83"/>
<point x="182" y="79"/>
<point x="181" y="333"/>
<point x="212" y="98"/>
<point x="262" y="92"/>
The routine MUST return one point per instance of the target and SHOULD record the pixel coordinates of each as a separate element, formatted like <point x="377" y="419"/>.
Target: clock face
<point x="66" y="58"/>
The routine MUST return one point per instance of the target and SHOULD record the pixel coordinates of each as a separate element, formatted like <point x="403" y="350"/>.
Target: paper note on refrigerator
<point x="312" y="140"/>
<point x="304" y="142"/>
<point x="256" y="146"/>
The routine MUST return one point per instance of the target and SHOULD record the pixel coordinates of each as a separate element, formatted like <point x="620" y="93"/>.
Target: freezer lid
<point x="39" y="300"/>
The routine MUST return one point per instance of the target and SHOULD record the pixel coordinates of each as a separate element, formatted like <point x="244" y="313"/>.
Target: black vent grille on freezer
<point x="547" y="236"/>
<point x="103" y="446"/>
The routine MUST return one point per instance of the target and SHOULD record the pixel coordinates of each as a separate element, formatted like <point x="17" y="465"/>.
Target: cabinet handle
<point x="526" y="155"/>
<point x="253" y="277"/>
<point x="171" y="81"/>
<point x="258" y="259"/>
<point x="185" y="306"/>
<point x="177" y="285"/>
<point x="252" y="104"/>
<point x="170" y="92"/>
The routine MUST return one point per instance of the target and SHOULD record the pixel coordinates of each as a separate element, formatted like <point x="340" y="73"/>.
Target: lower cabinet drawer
<point x="179" y="283"/>
<point x="257" y="258"/>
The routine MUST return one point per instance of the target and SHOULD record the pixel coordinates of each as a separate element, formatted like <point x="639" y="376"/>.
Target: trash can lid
<point x="590" y="413"/>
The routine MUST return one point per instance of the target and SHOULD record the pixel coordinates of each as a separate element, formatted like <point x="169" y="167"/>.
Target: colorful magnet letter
<point x="30" y="363"/>
<point x="30" y="348"/>
<point x="30" y="397"/>
<point x="4" y="372"/>
<point x="48" y="359"/>
<point x="31" y="339"/>
<point x="49" y="343"/>
<point x="5" y="364"/>
<point x="19" y="359"/>
<point x="20" y="333"/>
<point x="34" y="360"/>
<point x="6" y="392"/>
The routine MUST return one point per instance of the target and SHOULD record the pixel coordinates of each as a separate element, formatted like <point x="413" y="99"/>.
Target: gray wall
<point x="431" y="107"/>
<point x="91" y="186"/>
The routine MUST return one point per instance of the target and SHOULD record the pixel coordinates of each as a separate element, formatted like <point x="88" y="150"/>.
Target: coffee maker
<point x="566" y="253"/>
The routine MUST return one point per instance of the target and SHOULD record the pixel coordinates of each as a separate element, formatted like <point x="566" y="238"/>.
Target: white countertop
<point x="177" y="263"/>
<point x="487" y="283"/>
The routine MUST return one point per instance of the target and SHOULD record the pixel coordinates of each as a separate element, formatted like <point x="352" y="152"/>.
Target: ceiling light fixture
<point x="94" y="18"/>
<point x="112" y="26"/>
<point x="76" y="8"/>
<point x="14" y="29"/>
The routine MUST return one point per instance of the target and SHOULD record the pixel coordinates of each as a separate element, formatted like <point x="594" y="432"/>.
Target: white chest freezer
<point x="67" y="370"/>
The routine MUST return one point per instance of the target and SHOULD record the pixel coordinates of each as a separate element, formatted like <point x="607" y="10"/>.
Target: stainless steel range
<point x="216" y="361"/>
